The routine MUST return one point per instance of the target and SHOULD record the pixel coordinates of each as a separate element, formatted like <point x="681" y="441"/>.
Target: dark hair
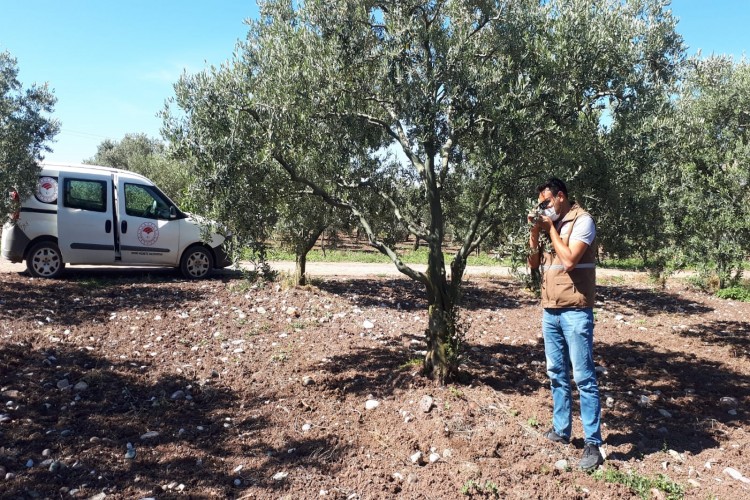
<point x="553" y="184"/>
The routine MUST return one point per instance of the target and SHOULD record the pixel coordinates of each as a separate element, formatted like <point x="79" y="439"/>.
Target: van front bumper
<point x="222" y="258"/>
<point x="14" y="242"/>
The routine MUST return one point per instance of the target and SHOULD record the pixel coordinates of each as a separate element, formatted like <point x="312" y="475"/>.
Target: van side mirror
<point x="172" y="212"/>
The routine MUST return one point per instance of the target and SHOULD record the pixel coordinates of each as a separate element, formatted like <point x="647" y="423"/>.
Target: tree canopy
<point x="26" y="130"/>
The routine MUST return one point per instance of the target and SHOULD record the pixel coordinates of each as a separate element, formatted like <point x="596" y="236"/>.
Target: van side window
<point x="145" y="201"/>
<point x="86" y="195"/>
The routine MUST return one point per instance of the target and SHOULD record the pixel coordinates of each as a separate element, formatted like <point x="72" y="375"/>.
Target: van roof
<point x="83" y="168"/>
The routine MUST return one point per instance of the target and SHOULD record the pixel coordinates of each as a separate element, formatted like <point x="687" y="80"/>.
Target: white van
<point x="85" y="214"/>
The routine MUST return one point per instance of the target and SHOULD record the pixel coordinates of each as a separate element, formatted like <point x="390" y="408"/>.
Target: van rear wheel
<point x="44" y="260"/>
<point x="196" y="263"/>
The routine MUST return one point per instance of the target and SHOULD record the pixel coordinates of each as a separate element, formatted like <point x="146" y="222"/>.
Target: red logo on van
<point x="46" y="190"/>
<point x="148" y="233"/>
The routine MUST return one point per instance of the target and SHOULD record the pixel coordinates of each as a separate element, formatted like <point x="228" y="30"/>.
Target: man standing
<point x="568" y="287"/>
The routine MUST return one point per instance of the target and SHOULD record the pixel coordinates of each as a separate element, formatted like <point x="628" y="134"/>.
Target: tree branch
<point x="411" y="226"/>
<point x="469" y="242"/>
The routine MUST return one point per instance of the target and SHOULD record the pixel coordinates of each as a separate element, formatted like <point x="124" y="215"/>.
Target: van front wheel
<point x="196" y="263"/>
<point x="44" y="260"/>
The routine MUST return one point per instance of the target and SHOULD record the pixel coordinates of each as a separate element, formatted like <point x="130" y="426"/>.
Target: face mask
<point x="550" y="212"/>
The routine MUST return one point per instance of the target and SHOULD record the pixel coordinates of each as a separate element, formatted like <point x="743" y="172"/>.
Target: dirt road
<point x="339" y="269"/>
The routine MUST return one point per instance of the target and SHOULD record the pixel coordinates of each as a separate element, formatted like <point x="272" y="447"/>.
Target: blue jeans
<point x="569" y="340"/>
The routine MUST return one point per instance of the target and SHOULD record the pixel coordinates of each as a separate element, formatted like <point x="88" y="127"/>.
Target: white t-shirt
<point x="583" y="230"/>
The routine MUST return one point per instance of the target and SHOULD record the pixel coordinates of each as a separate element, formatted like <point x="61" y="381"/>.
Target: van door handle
<point x="108" y="226"/>
<point x="124" y="227"/>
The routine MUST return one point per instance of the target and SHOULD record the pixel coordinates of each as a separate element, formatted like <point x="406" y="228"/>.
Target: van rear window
<point x="86" y="195"/>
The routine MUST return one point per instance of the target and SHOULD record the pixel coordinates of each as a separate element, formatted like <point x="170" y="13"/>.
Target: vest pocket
<point x="566" y="291"/>
<point x="564" y="285"/>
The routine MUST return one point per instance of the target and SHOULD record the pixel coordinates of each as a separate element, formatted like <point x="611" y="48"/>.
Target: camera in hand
<point x="537" y="212"/>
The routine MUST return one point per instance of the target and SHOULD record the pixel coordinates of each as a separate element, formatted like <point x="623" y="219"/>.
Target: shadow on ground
<point x="84" y="407"/>
<point x="647" y="301"/>
<point x="409" y="295"/>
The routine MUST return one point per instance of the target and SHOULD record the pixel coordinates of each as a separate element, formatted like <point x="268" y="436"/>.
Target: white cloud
<point x="165" y="75"/>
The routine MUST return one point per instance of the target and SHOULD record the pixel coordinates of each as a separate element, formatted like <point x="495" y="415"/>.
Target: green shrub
<point x="740" y="293"/>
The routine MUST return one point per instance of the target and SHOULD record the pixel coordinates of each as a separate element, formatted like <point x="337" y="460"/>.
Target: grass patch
<point x="629" y="264"/>
<point x="372" y="257"/>
<point x="412" y="363"/>
<point x="368" y="255"/>
<point x="279" y="357"/>
<point x="642" y="485"/>
<point x="316" y="255"/>
<point x="484" y="489"/>
<point x="613" y="280"/>
<point x="456" y="393"/>
<point x="298" y="325"/>
<point x="485" y="259"/>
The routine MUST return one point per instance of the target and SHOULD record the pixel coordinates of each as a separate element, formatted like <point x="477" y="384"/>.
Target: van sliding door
<point x="85" y="228"/>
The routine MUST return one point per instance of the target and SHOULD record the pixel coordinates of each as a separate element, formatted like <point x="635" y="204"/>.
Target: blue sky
<point x="112" y="64"/>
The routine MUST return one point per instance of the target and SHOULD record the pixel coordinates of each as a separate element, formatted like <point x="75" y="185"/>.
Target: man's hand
<point x="545" y="223"/>
<point x="532" y="217"/>
<point x="535" y="219"/>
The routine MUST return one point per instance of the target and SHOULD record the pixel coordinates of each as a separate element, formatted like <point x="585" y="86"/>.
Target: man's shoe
<point x="592" y="458"/>
<point x="555" y="437"/>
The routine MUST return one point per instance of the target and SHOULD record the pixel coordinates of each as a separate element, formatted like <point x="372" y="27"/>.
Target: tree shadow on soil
<point x="138" y="274"/>
<point x="509" y="368"/>
<point x="377" y="371"/>
<point x="409" y="295"/>
<point x="646" y="301"/>
<point x="641" y="382"/>
<point x="117" y="407"/>
<point x="91" y="295"/>
<point x="87" y="428"/>
<point x="382" y="371"/>
<point x="732" y="334"/>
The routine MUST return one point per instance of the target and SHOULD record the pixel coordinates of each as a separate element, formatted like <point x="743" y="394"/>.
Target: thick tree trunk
<point x="722" y="271"/>
<point x="443" y="334"/>
<point x="299" y="273"/>
<point x="302" y="251"/>
<point x="440" y="362"/>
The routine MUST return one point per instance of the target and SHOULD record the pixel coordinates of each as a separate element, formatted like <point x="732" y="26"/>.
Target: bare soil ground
<point x="138" y="384"/>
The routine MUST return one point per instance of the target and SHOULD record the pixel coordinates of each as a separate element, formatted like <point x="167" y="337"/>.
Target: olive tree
<point x="302" y="220"/>
<point x="25" y="131"/>
<point x="626" y="181"/>
<point x="708" y="187"/>
<point x="477" y="99"/>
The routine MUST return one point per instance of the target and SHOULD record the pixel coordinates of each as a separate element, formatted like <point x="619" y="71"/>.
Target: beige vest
<point x="576" y="288"/>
